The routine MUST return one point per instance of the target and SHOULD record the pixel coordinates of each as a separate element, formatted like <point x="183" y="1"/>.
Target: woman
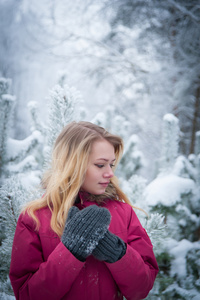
<point x="82" y="239"/>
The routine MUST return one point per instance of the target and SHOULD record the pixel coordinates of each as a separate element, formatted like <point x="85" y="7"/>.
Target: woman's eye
<point x="99" y="166"/>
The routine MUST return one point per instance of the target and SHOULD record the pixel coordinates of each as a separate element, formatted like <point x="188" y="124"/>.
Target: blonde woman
<point x="82" y="239"/>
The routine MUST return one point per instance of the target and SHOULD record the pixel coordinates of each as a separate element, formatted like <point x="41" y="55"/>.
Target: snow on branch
<point x="33" y="108"/>
<point x="167" y="190"/>
<point x="170" y="141"/>
<point x="184" y="11"/>
<point x="6" y="103"/>
<point x="5" y="84"/>
<point x="157" y="230"/>
<point x="19" y="149"/>
<point x="62" y="102"/>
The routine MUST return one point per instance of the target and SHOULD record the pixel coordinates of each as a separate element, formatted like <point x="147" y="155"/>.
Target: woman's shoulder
<point x="42" y="214"/>
<point x="120" y="208"/>
<point x="123" y="210"/>
<point x="116" y="204"/>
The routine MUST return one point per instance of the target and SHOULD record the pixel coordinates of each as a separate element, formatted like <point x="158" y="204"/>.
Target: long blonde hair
<point x="65" y="177"/>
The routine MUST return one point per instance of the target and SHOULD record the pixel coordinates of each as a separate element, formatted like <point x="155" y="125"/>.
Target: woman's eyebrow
<point x="106" y="159"/>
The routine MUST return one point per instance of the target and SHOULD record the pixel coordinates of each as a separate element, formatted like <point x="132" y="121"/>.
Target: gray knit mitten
<point x="84" y="229"/>
<point x="110" y="248"/>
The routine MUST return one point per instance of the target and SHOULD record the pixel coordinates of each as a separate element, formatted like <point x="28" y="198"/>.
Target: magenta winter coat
<point x="42" y="268"/>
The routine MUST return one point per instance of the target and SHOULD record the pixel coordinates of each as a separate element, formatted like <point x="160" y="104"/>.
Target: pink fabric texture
<point x="43" y="268"/>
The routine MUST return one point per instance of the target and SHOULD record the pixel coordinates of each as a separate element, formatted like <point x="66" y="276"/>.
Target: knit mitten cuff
<point x="110" y="249"/>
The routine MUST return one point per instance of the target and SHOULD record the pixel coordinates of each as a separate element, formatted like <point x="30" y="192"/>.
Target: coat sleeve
<point x="31" y="277"/>
<point x="136" y="271"/>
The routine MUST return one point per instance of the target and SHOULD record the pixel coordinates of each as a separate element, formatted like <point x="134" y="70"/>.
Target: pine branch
<point x="19" y="149"/>
<point x="6" y="103"/>
<point x="62" y="102"/>
<point x="157" y="231"/>
<point x="169" y="142"/>
<point x="184" y="11"/>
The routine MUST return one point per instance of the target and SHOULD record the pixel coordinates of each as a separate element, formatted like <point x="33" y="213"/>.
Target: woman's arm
<point x="33" y="278"/>
<point x="136" y="271"/>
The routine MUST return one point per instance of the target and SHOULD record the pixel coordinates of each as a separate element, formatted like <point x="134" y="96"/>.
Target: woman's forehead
<point x="102" y="149"/>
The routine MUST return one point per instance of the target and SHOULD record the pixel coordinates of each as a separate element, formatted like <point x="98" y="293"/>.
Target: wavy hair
<point x="66" y="174"/>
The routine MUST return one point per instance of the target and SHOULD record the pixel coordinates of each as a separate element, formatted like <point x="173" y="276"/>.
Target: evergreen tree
<point x="62" y="103"/>
<point x="175" y="194"/>
<point x="23" y="162"/>
<point x="133" y="159"/>
<point x="149" y="39"/>
<point x="170" y="142"/>
<point x="6" y="104"/>
<point x="13" y="195"/>
<point x="19" y="168"/>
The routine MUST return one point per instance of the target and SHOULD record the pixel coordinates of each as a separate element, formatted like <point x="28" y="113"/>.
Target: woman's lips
<point x="104" y="184"/>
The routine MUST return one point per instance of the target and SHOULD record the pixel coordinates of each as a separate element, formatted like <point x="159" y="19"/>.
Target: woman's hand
<point x="84" y="229"/>
<point x="110" y="248"/>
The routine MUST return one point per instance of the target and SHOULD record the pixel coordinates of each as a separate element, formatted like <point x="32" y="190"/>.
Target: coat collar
<point x="85" y="199"/>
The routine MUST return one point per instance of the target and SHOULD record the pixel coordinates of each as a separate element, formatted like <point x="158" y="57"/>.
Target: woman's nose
<point x="109" y="172"/>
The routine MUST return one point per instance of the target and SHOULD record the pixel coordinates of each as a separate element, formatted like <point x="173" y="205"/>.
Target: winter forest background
<point x="132" y="66"/>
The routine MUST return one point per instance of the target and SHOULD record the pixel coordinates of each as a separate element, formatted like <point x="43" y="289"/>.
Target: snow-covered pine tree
<point x="135" y="188"/>
<point x="175" y="184"/>
<point x="12" y="194"/>
<point x="197" y="157"/>
<point x="170" y="142"/>
<point x="63" y="108"/>
<point x="133" y="159"/>
<point x="100" y="119"/>
<point x="17" y="156"/>
<point x="22" y="187"/>
<point x="6" y="104"/>
<point x="18" y="164"/>
<point x="174" y="194"/>
<point x="121" y="126"/>
<point x="112" y="121"/>
<point x="152" y="222"/>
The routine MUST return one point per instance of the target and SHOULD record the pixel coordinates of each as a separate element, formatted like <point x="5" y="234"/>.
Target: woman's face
<point x="99" y="172"/>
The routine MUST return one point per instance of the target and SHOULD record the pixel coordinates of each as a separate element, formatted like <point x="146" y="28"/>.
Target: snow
<point x="167" y="190"/>
<point x="99" y="119"/>
<point x="185" y="294"/>
<point x="4" y="80"/>
<point x="182" y="165"/>
<point x="16" y="148"/>
<point x="32" y="180"/>
<point x="32" y="104"/>
<point x="4" y="296"/>
<point x="28" y="163"/>
<point x="133" y="140"/>
<point x="7" y="97"/>
<point x="5" y="84"/>
<point x="194" y="218"/>
<point x="179" y="251"/>
<point x="170" y="118"/>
